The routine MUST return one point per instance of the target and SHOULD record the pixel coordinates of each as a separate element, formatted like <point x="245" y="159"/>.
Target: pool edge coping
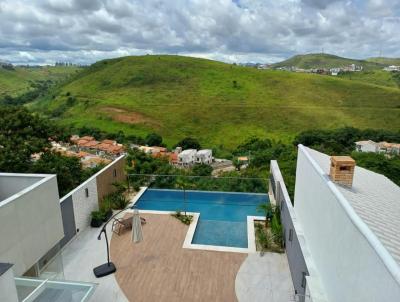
<point x="187" y="243"/>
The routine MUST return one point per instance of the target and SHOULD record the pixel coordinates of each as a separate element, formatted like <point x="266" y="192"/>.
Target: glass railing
<point x="44" y="290"/>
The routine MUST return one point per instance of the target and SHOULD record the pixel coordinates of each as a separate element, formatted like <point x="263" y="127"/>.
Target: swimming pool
<point x="223" y="215"/>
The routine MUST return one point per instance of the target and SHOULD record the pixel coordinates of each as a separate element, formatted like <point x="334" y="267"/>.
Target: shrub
<point x="118" y="201"/>
<point x="264" y="237"/>
<point x="185" y="219"/>
<point x="188" y="143"/>
<point x="277" y="230"/>
<point x="97" y="215"/>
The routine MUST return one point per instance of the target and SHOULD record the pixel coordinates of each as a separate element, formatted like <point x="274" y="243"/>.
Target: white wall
<point x="13" y="183"/>
<point x="30" y="224"/>
<point x="83" y="205"/>
<point x="348" y="265"/>
<point x="369" y="148"/>
<point x="8" y="290"/>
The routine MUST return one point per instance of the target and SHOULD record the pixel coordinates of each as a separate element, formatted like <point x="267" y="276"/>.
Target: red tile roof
<point x="109" y="141"/>
<point x="87" y="138"/>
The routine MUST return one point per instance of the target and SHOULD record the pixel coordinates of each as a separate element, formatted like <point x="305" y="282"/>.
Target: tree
<point x="189" y="143"/>
<point x="202" y="170"/>
<point x="68" y="170"/>
<point x="237" y="163"/>
<point x="21" y="135"/>
<point x="153" y="139"/>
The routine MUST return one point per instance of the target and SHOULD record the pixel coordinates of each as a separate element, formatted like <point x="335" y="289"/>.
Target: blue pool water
<point x="223" y="216"/>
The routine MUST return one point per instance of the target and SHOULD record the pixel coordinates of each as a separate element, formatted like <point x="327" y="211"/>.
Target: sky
<point x="265" y="31"/>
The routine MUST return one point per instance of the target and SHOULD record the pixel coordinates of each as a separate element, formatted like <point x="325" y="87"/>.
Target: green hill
<point x="320" y="60"/>
<point x="218" y="103"/>
<point x="377" y="77"/>
<point x="385" y="61"/>
<point x="18" y="80"/>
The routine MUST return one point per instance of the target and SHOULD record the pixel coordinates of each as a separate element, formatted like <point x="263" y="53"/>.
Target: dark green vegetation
<point x="185" y="219"/>
<point x="17" y="80"/>
<point x="321" y="60"/>
<point x="341" y="142"/>
<point x="269" y="235"/>
<point x="219" y="104"/>
<point x="23" y="134"/>
<point x="158" y="173"/>
<point x="146" y="170"/>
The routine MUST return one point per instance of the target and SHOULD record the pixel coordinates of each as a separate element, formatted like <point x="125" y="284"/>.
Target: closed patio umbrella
<point x="137" y="235"/>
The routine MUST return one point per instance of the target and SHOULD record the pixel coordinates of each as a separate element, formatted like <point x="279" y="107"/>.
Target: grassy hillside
<point x="385" y="61"/>
<point x="18" y="81"/>
<point x="325" y="61"/>
<point x="377" y="77"/>
<point x="218" y="103"/>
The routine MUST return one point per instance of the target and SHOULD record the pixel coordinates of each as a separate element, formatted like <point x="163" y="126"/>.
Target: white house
<point x="31" y="228"/>
<point x="392" y="68"/>
<point x="204" y="156"/>
<point x="367" y="146"/>
<point x="187" y="157"/>
<point x="349" y="218"/>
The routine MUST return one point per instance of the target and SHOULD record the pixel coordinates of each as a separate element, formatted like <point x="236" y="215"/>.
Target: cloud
<point x="84" y="31"/>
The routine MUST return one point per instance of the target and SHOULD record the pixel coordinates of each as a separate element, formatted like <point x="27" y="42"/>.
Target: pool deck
<point x="159" y="269"/>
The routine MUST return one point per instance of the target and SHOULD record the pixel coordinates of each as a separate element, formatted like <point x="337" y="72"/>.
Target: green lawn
<point x="179" y="96"/>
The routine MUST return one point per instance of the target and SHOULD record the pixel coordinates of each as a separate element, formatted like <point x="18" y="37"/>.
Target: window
<point x="86" y="192"/>
<point x="115" y="172"/>
<point x="291" y="235"/>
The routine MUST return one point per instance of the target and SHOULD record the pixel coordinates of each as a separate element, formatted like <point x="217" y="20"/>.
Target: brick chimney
<point x="342" y="170"/>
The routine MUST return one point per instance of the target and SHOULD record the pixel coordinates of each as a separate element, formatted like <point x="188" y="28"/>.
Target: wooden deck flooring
<point x="159" y="269"/>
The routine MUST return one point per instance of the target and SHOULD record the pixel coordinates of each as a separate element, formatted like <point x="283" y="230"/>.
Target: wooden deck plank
<point x="159" y="269"/>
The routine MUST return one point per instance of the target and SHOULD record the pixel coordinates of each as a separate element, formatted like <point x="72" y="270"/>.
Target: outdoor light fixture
<point x="108" y="267"/>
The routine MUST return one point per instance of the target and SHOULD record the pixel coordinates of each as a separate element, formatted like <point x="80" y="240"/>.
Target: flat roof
<point x="13" y="185"/>
<point x="375" y="199"/>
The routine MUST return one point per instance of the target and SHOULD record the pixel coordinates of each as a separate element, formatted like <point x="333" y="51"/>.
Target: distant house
<point x="392" y="68"/>
<point x="389" y="148"/>
<point x="152" y="150"/>
<point x="204" y="156"/>
<point x="105" y="147"/>
<point x="335" y="71"/>
<point x="187" y="157"/>
<point x="243" y="160"/>
<point x="367" y="146"/>
<point x="381" y="147"/>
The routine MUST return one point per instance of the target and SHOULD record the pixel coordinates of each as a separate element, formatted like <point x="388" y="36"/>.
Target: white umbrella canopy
<point x="137" y="234"/>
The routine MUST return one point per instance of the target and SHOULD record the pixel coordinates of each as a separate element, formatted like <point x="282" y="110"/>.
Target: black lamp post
<point x="108" y="267"/>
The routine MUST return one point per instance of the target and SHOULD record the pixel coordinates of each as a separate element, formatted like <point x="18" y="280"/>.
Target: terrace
<point x="160" y="269"/>
<point x="164" y="267"/>
<point x="174" y="262"/>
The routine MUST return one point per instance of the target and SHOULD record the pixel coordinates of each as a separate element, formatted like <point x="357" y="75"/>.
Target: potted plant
<point x="97" y="219"/>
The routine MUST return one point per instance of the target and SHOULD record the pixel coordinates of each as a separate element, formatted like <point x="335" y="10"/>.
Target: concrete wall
<point x="86" y="197"/>
<point x="68" y="217"/>
<point x="30" y="224"/>
<point x="8" y="290"/>
<point x="14" y="183"/>
<point x="348" y="265"/>
<point x="297" y="263"/>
